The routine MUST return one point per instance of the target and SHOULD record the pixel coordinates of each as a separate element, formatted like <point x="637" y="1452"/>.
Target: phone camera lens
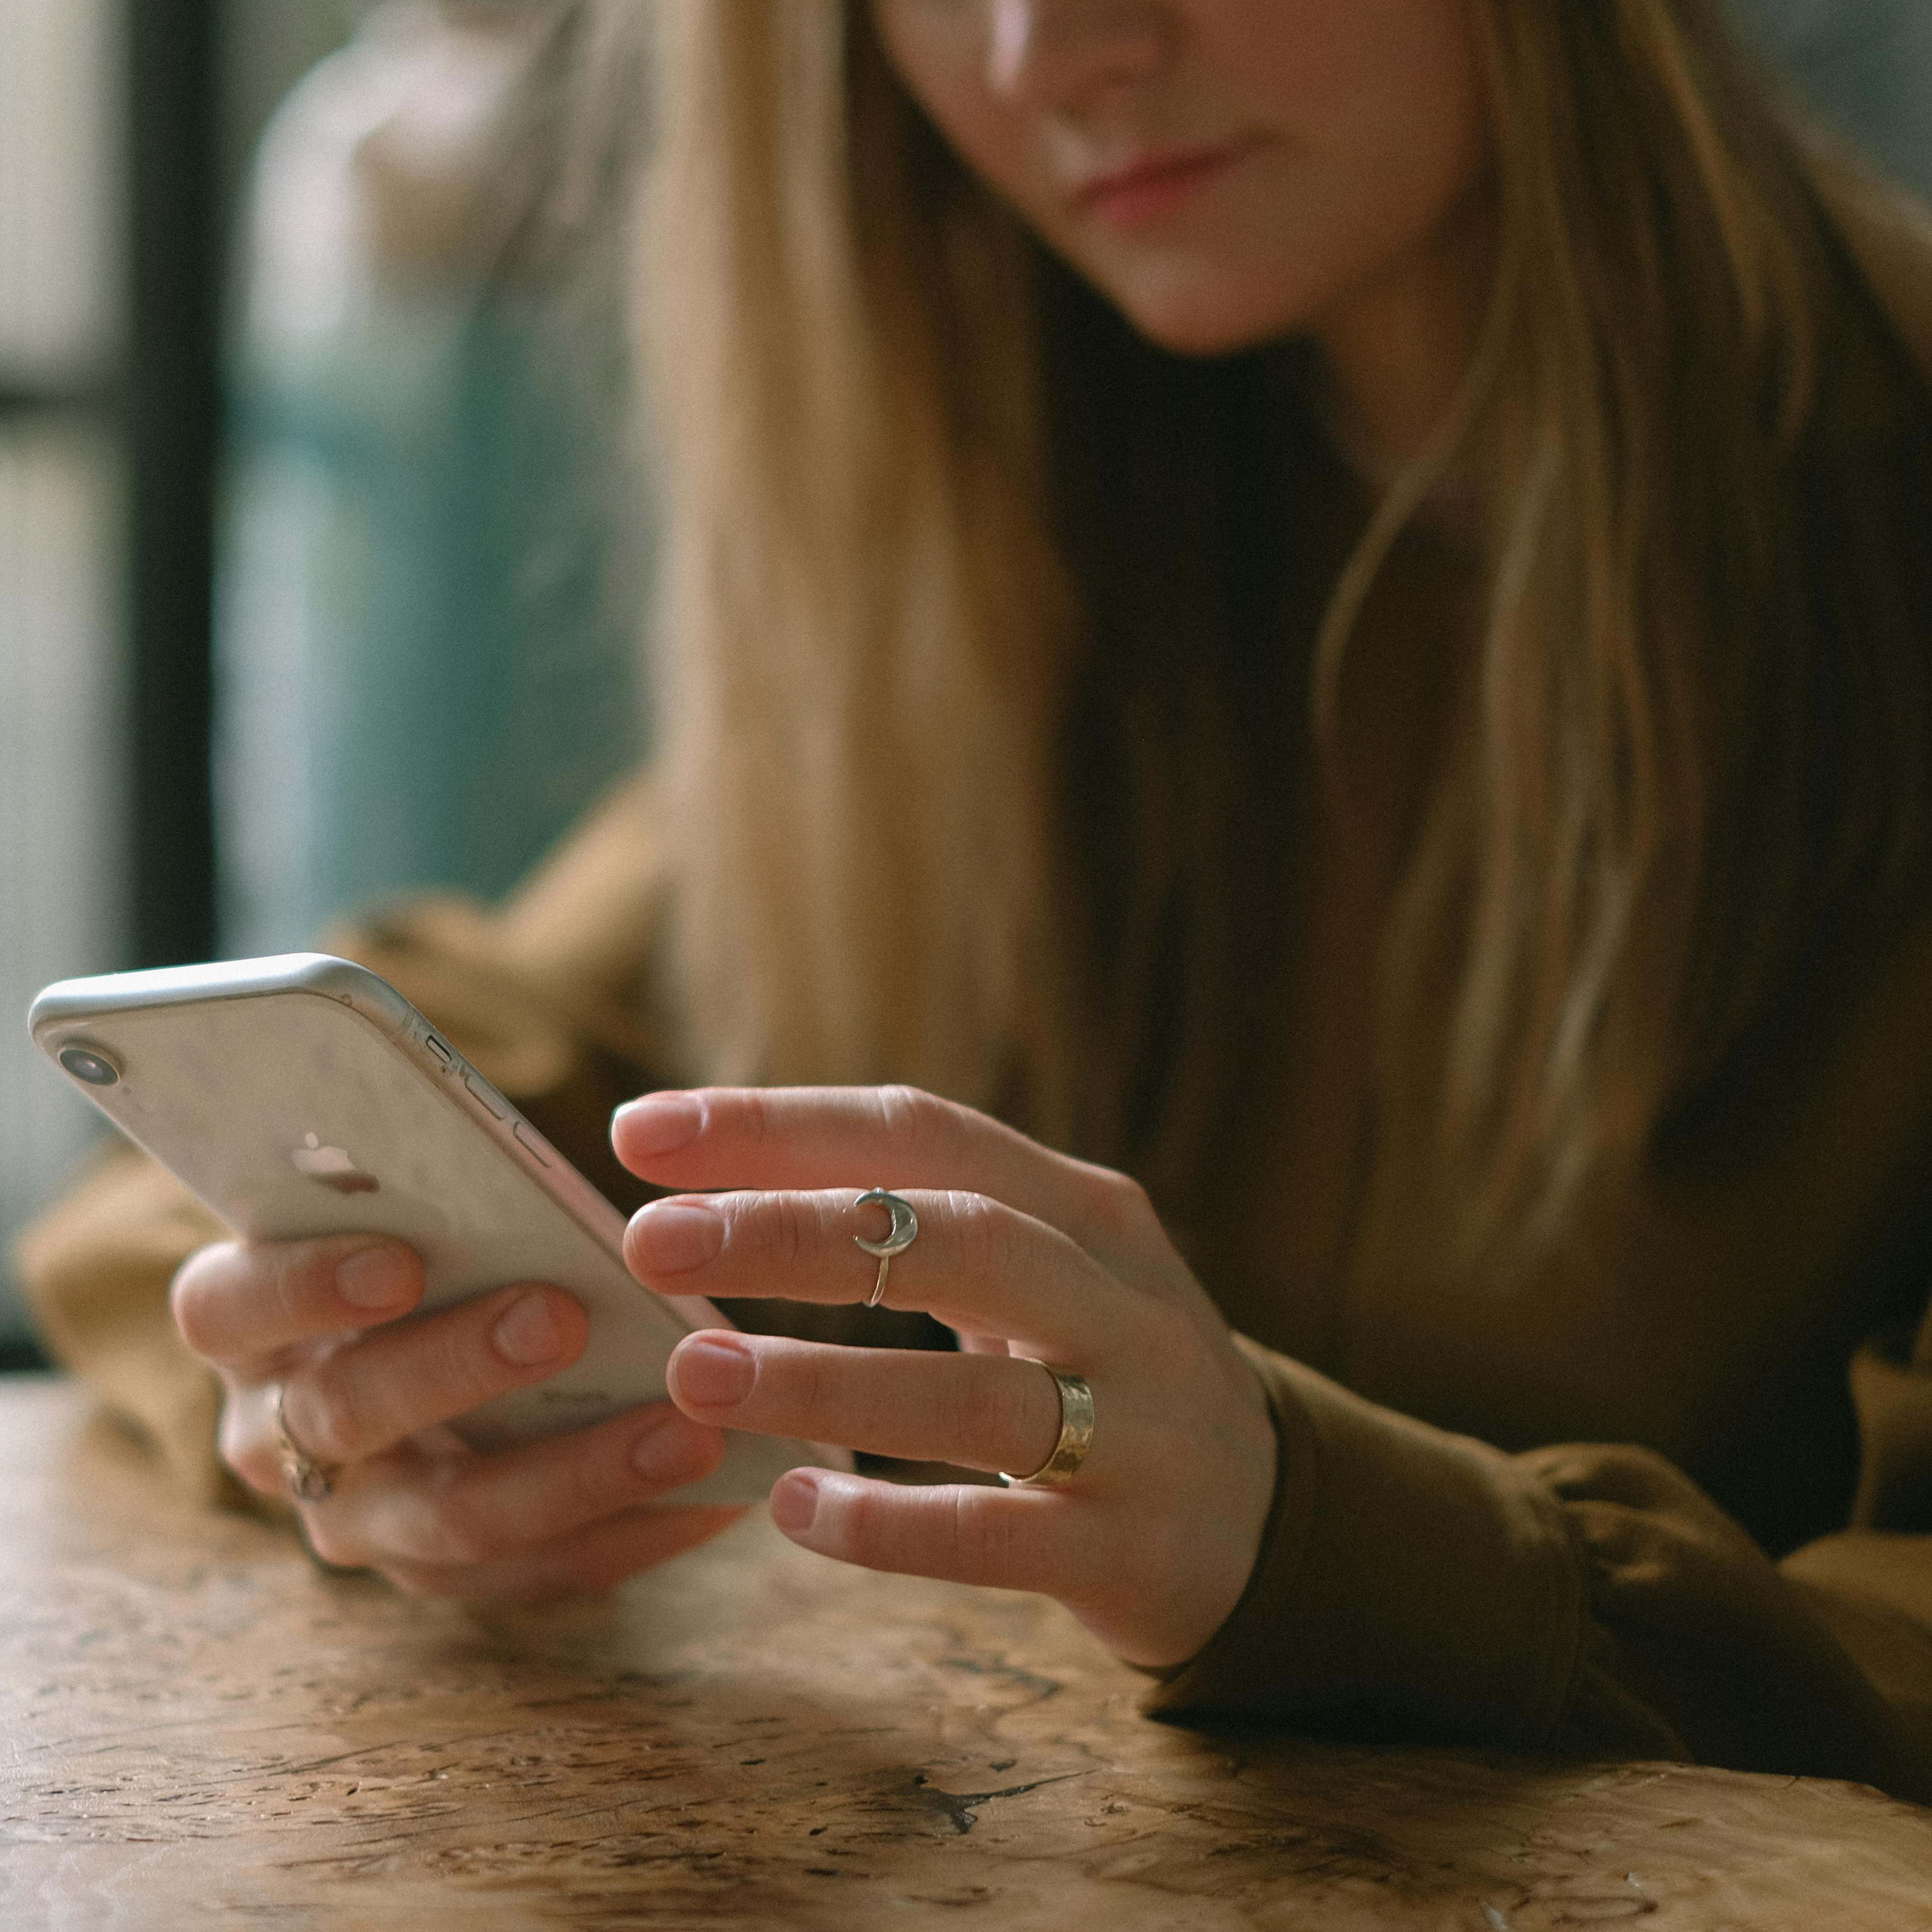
<point x="84" y="1063"/>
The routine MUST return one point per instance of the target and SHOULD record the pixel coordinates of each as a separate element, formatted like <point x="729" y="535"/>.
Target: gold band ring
<point x="1076" y="1430"/>
<point x="309" y="1481"/>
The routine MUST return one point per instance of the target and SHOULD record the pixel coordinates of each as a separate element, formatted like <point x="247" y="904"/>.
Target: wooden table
<point x="195" y="1722"/>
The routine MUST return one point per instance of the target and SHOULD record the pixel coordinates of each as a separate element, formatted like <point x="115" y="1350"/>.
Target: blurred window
<point x="428" y="525"/>
<point x="63" y="727"/>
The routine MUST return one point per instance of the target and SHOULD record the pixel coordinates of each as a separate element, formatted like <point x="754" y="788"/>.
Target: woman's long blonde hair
<point x="953" y="672"/>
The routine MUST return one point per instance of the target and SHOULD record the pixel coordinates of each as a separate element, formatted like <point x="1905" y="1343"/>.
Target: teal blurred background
<point x="435" y="546"/>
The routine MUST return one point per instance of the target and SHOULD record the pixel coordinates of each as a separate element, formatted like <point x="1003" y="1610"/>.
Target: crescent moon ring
<point x="904" y="1232"/>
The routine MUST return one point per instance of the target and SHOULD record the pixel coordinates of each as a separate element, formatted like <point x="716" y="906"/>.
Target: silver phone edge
<point x="73" y="1002"/>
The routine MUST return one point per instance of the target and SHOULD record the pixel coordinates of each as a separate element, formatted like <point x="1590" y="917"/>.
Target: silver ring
<point x="904" y="1232"/>
<point x="1076" y="1430"/>
<point x="309" y="1481"/>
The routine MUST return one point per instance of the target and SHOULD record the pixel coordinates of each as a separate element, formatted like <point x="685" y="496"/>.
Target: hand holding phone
<point x="423" y="1291"/>
<point x="328" y="1327"/>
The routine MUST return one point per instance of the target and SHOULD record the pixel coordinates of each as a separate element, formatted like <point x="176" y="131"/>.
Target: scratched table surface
<point x="195" y="1722"/>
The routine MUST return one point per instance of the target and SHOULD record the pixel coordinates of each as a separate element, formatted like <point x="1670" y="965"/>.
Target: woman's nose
<point x="1065" y="54"/>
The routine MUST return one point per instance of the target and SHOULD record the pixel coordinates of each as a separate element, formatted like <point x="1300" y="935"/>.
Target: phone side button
<point x="529" y="1141"/>
<point x="486" y="1096"/>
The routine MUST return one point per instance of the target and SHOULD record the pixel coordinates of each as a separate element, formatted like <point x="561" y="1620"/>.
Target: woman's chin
<point x="1197" y="320"/>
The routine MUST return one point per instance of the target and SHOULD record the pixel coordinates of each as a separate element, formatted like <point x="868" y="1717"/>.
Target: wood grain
<point x="195" y="1722"/>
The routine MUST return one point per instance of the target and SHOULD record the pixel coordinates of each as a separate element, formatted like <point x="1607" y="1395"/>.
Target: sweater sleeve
<point x="1586" y="1599"/>
<point x="1590" y="1597"/>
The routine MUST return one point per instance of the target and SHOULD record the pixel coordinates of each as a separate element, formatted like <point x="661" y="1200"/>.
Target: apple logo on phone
<point x="332" y="1167"/>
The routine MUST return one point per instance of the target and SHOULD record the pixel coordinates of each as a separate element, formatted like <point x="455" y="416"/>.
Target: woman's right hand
<point x="367" y="1386"/>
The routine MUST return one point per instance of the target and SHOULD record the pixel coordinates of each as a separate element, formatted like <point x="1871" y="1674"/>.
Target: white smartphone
<point x="302" y="1095"/>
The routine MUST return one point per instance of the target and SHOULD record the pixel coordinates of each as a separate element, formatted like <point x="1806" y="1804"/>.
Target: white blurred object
<point x="60" y="213"/>
<point x="435" y="545"/>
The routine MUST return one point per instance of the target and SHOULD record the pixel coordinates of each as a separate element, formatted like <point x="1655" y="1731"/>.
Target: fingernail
<point x="674" y="1237"/>
<point x="664" y="1447"/>
<point x="660" y="1122"/>
<point x="715" y="1372"/>
<point x="527" y="1334"/>
<point x="380" y="1277"/>
<point x="795" y="1501"/>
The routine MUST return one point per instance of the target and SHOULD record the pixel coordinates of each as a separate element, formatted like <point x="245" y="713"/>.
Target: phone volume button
<point x="528" y="1141"/>
<point x="487" y="1097"/>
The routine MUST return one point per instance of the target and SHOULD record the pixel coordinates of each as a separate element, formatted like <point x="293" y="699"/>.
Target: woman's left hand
<point x="1025" y="1252"/>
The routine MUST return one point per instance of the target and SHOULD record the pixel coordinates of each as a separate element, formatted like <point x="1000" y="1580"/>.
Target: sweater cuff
<point x="1404" y="1573"/>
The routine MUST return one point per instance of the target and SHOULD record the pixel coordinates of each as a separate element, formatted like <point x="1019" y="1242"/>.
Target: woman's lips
<point x="1146" y="188"/>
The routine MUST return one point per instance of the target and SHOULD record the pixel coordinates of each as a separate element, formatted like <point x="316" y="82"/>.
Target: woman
<point x="1327" y="608"/>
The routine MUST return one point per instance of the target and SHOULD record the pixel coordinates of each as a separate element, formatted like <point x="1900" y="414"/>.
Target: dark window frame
<point x="171" y="416"/>
<point x="162" y="408"/>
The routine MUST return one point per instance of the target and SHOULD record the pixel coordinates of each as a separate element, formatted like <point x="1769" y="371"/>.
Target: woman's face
<point x="1227" y="172"/>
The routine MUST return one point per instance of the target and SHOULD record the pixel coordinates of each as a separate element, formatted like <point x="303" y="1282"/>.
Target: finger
<point x="466" y="1509"/>
<point x="976" y="1411"/>
<point x="237" y="1301"/>
<point x="580" y="1564"/>
<point x="977" y="1263"/>
<point x="362" y="1400"/>
<point x="961" y="1532"/>
<point x="897" y="1137"/>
